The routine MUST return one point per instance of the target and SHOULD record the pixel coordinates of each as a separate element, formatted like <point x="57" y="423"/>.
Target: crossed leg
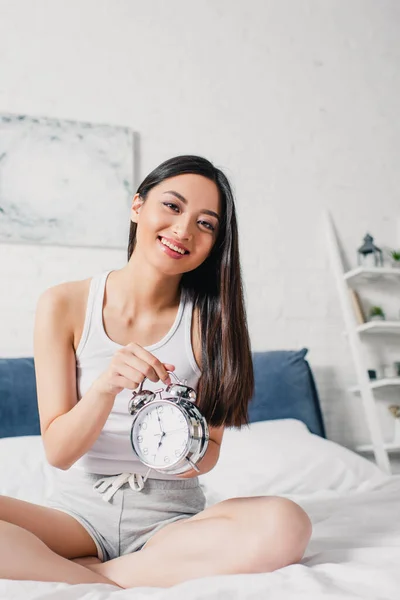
<point x="24" y="556"/>
<point x="240" y="535"/>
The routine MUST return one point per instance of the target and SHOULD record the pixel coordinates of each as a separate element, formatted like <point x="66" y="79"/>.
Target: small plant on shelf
<point x="376" y="314"/>
<point x="395" y="256"/>
<point x="395" y="410"/>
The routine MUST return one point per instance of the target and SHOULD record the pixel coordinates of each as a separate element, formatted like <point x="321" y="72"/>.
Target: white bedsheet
<point x="354" y="551"/>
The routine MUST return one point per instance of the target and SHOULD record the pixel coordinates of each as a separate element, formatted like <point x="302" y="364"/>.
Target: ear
<point x="137" y="203"/>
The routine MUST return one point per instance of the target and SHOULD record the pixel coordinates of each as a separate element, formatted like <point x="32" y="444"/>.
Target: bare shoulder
<point x="65" y="304"/>
<point x="64" y="296"/>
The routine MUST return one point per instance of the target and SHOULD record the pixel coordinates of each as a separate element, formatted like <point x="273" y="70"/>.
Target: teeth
<point x="163" y="241"/>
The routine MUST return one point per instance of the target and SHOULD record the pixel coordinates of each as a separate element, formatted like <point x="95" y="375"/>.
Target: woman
<point x="176" y="306"/>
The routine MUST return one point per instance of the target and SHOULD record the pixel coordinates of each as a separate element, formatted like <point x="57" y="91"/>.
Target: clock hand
<point x="176" y="430"/>
<point x="161" y="439"/>
<point x="159" y="421"/>
<point x="171" y="431"/>
<point x="160" y="442"/>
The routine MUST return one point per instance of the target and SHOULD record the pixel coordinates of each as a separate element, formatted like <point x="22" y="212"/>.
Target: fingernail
<point x="168" y="381"/>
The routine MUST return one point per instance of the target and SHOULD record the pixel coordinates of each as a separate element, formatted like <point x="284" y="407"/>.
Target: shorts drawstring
<point x="108" y="486"/>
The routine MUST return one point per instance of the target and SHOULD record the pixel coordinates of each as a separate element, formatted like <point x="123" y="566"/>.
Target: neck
<point x="141" y="288"/>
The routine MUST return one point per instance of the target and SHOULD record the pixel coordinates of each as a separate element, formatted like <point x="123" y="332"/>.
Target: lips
<point x="174" y="243"/>
<point x="169" y="252"/>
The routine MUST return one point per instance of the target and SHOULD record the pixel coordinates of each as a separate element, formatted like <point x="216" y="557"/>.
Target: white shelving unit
<point x="380" y="327"/>
<point x="360" y="274"/>
<point x="378" y="383"/>
<point x="356" y="336"/>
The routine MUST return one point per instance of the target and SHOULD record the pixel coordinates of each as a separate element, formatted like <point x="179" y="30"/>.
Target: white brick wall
<point x="296" y="101"/>
<point x="26" y="271"/>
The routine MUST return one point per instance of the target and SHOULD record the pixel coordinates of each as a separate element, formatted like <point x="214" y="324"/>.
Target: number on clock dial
<point x="161" y="435"/>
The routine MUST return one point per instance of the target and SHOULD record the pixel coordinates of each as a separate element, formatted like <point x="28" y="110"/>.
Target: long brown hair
<point x="215" y="287"/>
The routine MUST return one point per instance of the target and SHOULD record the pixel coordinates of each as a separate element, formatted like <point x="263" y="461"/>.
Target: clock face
<point x="160" y="434"/>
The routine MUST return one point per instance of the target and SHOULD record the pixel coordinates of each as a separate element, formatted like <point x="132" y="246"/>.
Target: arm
<point x="211" y="456"/>
<point x="68" y="427"/>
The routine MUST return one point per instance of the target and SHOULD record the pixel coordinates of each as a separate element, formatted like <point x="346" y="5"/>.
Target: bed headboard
<point x="284" y="388"/>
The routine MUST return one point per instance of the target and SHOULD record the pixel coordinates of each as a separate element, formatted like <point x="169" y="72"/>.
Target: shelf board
<point x="389" y="447"/>
<point x="378" y="383"/>
<point x="365" y="274"/>
<point x="379" y="327"/>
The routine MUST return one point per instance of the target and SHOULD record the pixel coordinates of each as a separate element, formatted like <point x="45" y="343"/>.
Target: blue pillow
<point x="285" y="389"/>
<point x="18" y="400"/>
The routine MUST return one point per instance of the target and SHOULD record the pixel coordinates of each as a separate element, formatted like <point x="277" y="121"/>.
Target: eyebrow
<point x="205" y="210"/>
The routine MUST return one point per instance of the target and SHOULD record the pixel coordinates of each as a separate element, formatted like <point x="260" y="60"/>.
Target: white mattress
<point x="354" y="551"/>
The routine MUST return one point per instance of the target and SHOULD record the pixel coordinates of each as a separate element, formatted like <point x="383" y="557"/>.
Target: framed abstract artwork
<point x="65" y="182"/>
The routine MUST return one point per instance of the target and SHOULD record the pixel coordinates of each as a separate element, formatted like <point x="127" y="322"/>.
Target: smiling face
<point x="182" y="212"/>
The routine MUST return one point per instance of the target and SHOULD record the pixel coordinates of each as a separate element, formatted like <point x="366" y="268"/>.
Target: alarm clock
<point x="169" y="433"/>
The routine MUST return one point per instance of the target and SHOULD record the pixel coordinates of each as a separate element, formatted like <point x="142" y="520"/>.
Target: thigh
<point x="61" y="532"/>
<point x="221" y="509"/>
<point x="255" y="511"/>
<point x="248" y="512"/>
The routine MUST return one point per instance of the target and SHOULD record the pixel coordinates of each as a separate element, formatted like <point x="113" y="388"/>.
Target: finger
<point x="169" y="369"/>
<point x="150" y="359"/>
<point x="155" y="374"/>
<point x="127" y="357"/>
<point x="124" y="382"/>
<point x="132" y="367"/>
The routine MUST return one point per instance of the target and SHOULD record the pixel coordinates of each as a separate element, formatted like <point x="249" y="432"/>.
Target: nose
<point x="182" y="228"/>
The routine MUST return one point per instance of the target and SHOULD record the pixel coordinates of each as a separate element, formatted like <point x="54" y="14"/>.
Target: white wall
<point x="297" y="101"/>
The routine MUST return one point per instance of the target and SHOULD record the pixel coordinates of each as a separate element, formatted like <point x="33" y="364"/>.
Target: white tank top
<point x="112" y="451"/>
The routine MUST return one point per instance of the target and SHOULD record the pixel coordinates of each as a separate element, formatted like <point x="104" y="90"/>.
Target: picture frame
<point x="65" y="182"/>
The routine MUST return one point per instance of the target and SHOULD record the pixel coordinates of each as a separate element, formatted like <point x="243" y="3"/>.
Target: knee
<point x="281" y="536"/>
<point x="5" y="508"/>
<point x="4" y="525"/>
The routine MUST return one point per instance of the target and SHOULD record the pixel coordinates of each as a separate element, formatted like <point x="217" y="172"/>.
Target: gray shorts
<point x="120" y="512"/>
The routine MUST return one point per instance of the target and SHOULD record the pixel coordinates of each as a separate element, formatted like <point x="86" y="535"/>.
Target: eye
<point x="209" y="226"/>
<point x="170" y="204"/>
<point x="206" y="223"/>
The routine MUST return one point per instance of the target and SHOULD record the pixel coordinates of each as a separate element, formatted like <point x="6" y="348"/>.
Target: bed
<point x="354" y="551"/>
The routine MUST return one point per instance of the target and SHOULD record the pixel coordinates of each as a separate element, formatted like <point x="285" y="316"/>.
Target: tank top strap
<point x="98" y="300"/>
<point x="94" y="307"/>
<point x="187" y="336"/>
